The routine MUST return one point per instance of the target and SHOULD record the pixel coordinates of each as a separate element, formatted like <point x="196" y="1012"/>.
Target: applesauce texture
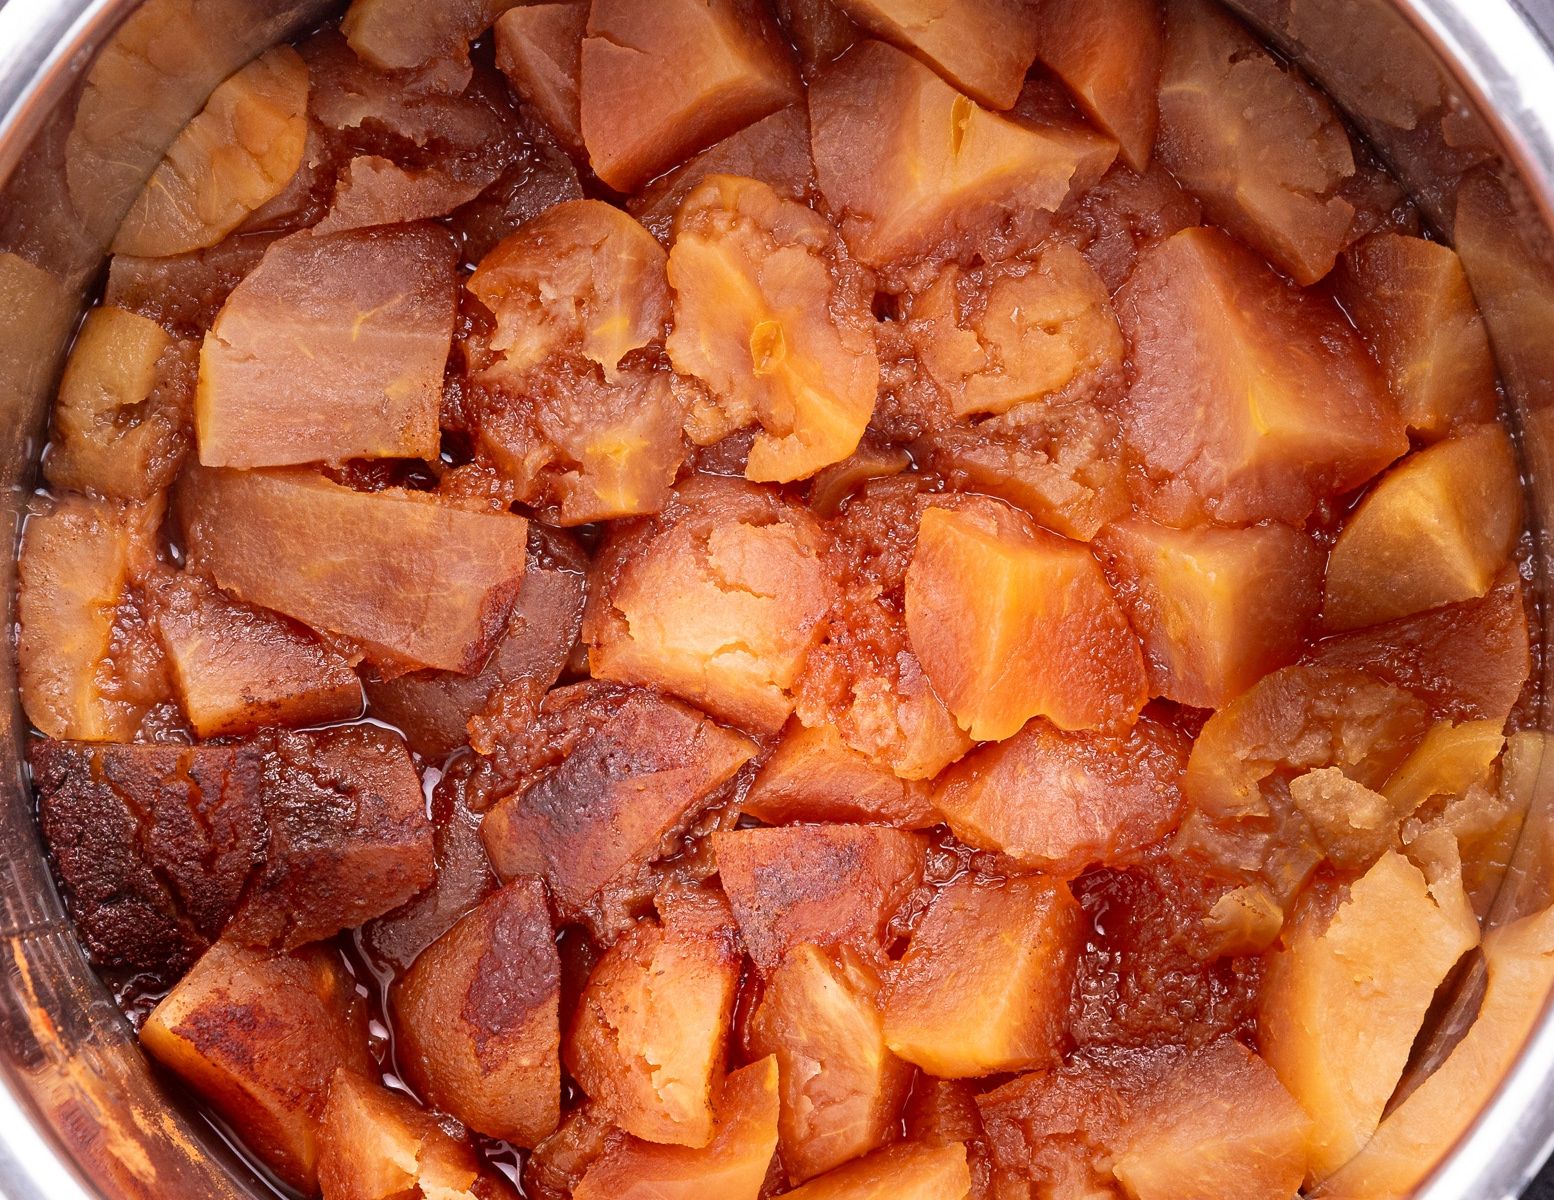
<point x="832" y="598"/>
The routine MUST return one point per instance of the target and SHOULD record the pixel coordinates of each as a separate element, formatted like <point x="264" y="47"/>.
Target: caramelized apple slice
<point x="718" y="601"/>
<point x="477" y="1018"/>
<point x="1251" y="400"/>
<point x="1449" y="760"/>
<point x="1198" y="599"/>
<point x="400" y="35"/>
<point x="987" y="588"/>
<point x="539" y="47"/>
<point x="733" y="1165"/>
<point x="660" y="83"/>
<point x="333" y="348"/>
<point x="825" y="885"/>
<point x="234" y="157"/>
<point x="413" y="580"/>
<point x="1345" y="998"/>
<point x="842" y="1089"/>
<point x="259" y="1037"/>
<point x="1060" y="801"/>
<point x="1438" y="528"/>
<point x="1262" y="148"/>
<point x="814" y="776"/>
<point x="905" y="1172"/>
<point x="1109" y="55"/>
<point x="985" y="983"/>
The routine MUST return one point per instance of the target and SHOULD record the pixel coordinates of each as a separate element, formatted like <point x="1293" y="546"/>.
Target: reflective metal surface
<point x="1456" y="95"/>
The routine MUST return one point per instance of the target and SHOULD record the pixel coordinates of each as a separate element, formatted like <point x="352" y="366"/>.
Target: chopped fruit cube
<point x="826" y="885"/>
<point x="400" y="35"/>
<point x="1353" y="824"/>
<point x="259" y="1036"/>
<point x="813" y="775"/>
<point x="640" y="773"/>
<point x="581" y="278"/>
<point x="905" y="1172"/>
<point x="154" y="844"/>
<point x="238" y="668"/>
<point x="985" y="983"/>
<point x="1450" y="760"/>
<point x="1436" y="529"/>
<point x="539" y="47"/>
<point x="121" y="422"/>
<point x="1016" y="332"/>
<point x="842" y="1089"/>
<point x="332" y="348"/>
<point x="1109" y="56"/>
<point x="1245" y="920"/>
<point x="1410" y="298"/>
<point x="943" y="1112"/>
<point x="987" y="588"/>
<point x="661" y="82"/>
<point x="718" y="600"/>
<point x="1197" y="598"/>
<point x="1060" y="801"/>
<point x="1251" y="400"/>
<point x="732" y="1166"/>
<point x="373" y="190"/>
<point x="1262" y="149"/>
<point x="1344" y="1001"/>
<point x="819" y="30"/>
<point x="234" y="157"/>
<point x="647" y="1042"/>
<point x="770" y="313"/>
<point x="983" y="47"/>
<point x="477" y="1018"/>
<point x="414" y="581"/>
<point x="909" y="164"/>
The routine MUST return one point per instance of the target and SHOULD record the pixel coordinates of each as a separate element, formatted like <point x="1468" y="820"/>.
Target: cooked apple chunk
<point x="819" y="30"/>
<point x="259" y="1036"/>
<point x="987" y="588"/>
<point x="373" y="191"/>
<point x="734" y="1164"/>
<point x="718" y="600"/>
<point x="1438" y="528"/>
<point x="1449" y="760"/>
<point x="1058" y="802"/>
<point x="402" y="35"/>
<point x="662" y="82"/>
<point x="769" y="314"/>
<point x="823" y="885"/>
<point x="842" y="1088"/>
<point x="813" y="775"/>
<point x="648" y="1040"/>
<point x="1345" y="999"/>
<point x="477" y="1018"/>
<point x="985" y="983"/>
<point x="904" y="1172"/>
<point x="234" y="157"/>
<point x="1262" y="148"/>
<point x="1198" y="600"/>
<point x="413" y="580"/>
<point x="332" y="348"/>
<point x="539" y="47"/>
<point x="1251" y="400"/>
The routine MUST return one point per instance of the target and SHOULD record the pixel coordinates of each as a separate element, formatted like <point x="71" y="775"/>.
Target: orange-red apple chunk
<point x="539" y="47"/>
<point x="813" y="775"/>
<point x="402" y="35"/>
<point x="908" y="1171"/>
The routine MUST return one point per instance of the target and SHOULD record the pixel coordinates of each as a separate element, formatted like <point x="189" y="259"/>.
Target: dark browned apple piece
<point x="819" y="30"/>
<point x="813" y="775"/>
<point x="183" y="293"/>
<point x="401" y="35"/>
<point x="539" y="47"/>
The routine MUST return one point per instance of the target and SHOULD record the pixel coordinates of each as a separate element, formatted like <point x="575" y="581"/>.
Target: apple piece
<point x="819" y="30"/>
<point x="1438" y="528"/>
<point x="1344" y="999"/>
<point x="373" y="190"/>
<point x="842" y="1088"/>
<point x="1449" y="760"/>
<point x="259" y="1036"/>
<point x="771" y="315"/>
<point x="987" y="587"/>
<point x="333" y="348"/>
<point x="824" y="885"/>
<point x="1353" y="824"/>
<point x="733" y="1165"/>
<point x="838" y="483"/>
<point x="235" y="156"/>
<point x="477" y="1018"/>
<point x="557" y="1165"/>
<point x="183" y="293"/>
<point x="902" y="1172"/>
<point x="414" y="581"/>
<point x="659" y="84"/>
<point x="1411" y="300"/>
<point x="402" y="35"/>
<point x="814" y="776"/>
<point x="911" y="167"/>
<point x="943" y="1112"/>
<point x="1251" y="400"/>
<point x="1262" y="148"/>
<point x="984" y="986"/>
<point x="1124" y="214"/>
<point x="1110" y="57"/>
<point x="1196" y="598"/>
<point x="121" y="420"/>
<point x="718" y="600"/>
<point x="539" y="47"/>
<point x="1059" y="802"/>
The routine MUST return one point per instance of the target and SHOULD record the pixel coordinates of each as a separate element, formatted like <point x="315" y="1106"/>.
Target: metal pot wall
<point x="1457" y="96"/>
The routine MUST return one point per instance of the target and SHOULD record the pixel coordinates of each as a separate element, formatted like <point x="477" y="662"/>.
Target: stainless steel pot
<point x="1457" y="95"/>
